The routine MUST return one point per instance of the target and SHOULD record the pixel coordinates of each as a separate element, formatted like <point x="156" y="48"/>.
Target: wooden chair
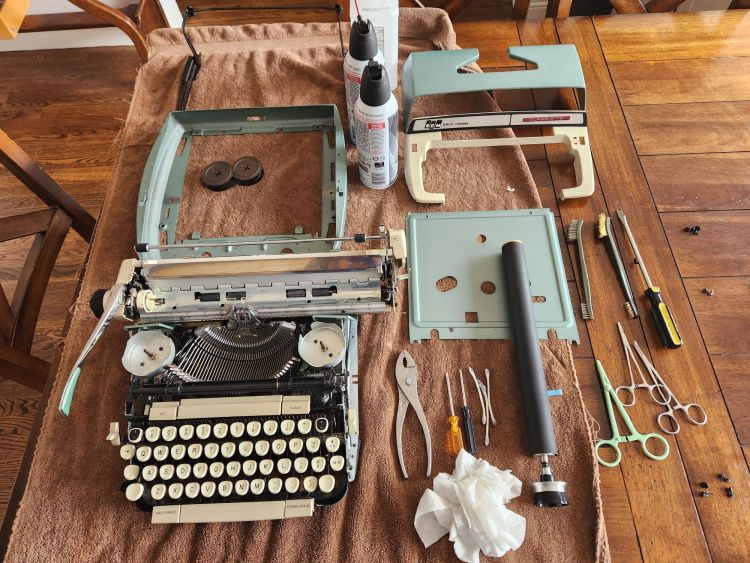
<point x="49" y="227"/>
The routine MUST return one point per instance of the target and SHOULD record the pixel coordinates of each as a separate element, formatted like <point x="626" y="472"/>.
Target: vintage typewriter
<point x="243" y="399"/>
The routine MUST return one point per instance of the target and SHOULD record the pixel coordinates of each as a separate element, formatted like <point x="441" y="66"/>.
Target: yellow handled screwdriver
<point x="661" y="314"/>
<point x="453" y="441"/>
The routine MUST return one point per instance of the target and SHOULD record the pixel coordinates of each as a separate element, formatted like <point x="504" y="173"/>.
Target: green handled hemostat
<point x="616" y="439"/>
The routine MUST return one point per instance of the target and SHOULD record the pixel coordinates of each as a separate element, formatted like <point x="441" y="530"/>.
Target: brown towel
<point x="73" y="509"/>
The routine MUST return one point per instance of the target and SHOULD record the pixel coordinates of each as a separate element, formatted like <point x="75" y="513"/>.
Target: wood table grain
<point x="668" y="100"/>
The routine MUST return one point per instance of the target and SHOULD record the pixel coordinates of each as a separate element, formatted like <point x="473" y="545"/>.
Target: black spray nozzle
<point x="375" y="90"/>
<point x="363" y="43"/>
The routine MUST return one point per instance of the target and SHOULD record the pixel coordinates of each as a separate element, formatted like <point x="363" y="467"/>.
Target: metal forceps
<point x="674" y="404"/>
<point x="616" y="439"/>
<point x="406" y="377"/>
<point x="664" y="395"/>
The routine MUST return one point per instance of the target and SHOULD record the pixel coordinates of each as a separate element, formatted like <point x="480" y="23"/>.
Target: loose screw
<point x="708" y="291"/>
<point x="724" y="477"/>
<point x="694" y="230"/>
<point x="705" y="494"/>
<point x="729" y="491"/>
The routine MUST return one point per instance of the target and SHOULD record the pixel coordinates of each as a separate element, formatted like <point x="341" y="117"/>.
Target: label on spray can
<point x="352" y="79"/>
<point x="377" y="143"/>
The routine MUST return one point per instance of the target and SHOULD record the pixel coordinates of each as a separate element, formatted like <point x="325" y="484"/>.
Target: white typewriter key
<point x="284" y="465"/>
<point x="233" y="469"/>
<point x="318" y="464"/>
<point x="220" y="431"/>
<point x="161" y="452"/>
<point x="326" y="483"/>
<point x="187" y="431"/>
<point x="183" y="471"/>
<point x="216" y="470"/>
<point x="211" y="450"/>
<point x="195" y="451"/>
<point x="304" y="425"/>
<point x="166" y="472"/>
<point x="287" y="427"/>
<point x="208" y="489"/>
<point x="266" y="466"/>
<point x="153" y="433"/>
<point x="177" y="452"/>
<point x="175" y="490"/>
<point x="131" y="472"/>
<point x="158" y="491"/>
<point x="310" y="484"/>
<point x="134" y="491"/>
<point x="312" y="445"/>
<point x="127" y="452"/>
<point x="246" y="448"/>
<point x="270" y="427"/>
<point x="296" y="445"/>
<point x="291" y="485"/>
<point x="200" y="470"/>
<point x="274" y="485"/>
<point x="228" y="449"/>
<point x="253" y="428"/>
<point x="225" y="488"/>
<point x="257" y="486"/>
<point x="250" y="467"/>
<point x="150" y="472"/>
<point x="261" y="447"/>
<point x="135" y="435"/>
<point x="337" y="463"/>
<point x="300" y="464"/>
<point x="143" y="453"/>
<point x="203" y="431"/>
<point x="169" y="433"/>
<point x="278" y="447"/>
<point x="241" y="487"/>
<point x="321" y="425"/>
<point x="237" y="429"/>
<point x="333" y="444"/>
<point x="192" y="490"/>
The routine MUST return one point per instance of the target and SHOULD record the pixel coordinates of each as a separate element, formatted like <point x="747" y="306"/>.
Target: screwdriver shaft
<point x="453" y="440"/>
<point x="471" y="442"/>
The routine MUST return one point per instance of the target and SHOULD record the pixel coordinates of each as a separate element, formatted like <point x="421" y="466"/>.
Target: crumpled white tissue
<point x="470" y="506"/>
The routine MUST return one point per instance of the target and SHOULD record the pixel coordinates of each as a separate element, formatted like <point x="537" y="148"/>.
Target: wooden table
<point x="669" y="122"/>
<point x="669" y="125"/>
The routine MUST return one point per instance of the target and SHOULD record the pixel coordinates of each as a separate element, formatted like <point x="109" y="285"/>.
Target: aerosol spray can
<point x="363" y="46"/>
<point x="376" y="118"/>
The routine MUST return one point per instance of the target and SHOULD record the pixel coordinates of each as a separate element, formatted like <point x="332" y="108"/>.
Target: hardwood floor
<point x="64" y="108"/>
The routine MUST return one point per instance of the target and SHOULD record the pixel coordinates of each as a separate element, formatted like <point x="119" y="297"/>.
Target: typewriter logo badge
<point x="433" y="123"/>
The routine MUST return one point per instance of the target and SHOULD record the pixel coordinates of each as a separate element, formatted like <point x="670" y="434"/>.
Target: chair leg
<point x="116" y="18"/>
<point x="23" y="368"/>
<point x="455" y="7"/>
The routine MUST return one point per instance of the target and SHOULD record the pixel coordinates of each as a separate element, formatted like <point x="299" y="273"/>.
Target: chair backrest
<point x="48" y="227"/>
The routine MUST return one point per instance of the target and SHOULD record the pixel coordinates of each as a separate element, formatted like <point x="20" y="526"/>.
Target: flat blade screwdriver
<point x="471" y="441"/>
<point x="665" y="325"/>
<point x="453" y="441"/>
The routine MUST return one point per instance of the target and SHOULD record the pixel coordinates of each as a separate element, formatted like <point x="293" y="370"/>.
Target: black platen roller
<point x="540" y="433"/>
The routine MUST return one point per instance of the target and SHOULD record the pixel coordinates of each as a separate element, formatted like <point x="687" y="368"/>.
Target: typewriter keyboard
<point x="240" y="461"/>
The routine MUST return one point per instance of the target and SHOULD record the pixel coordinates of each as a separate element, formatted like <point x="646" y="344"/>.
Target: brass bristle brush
<point x="604" y="231"/>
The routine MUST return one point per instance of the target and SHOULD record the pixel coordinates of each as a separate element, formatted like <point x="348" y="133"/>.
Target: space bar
<point x="232" y="511"/>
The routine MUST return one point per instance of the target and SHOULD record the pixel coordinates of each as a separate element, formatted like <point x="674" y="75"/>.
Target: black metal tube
<point x="540" y="434"/>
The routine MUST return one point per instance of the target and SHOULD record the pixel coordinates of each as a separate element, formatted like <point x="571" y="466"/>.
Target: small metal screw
<point x="703" y="485"/>
<point x="708" y="291"/>
<point x="694" y="230"/>
<point x="705" y="494"/>
<point x="729" y="491"/>
<point x="724" y="477"/>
